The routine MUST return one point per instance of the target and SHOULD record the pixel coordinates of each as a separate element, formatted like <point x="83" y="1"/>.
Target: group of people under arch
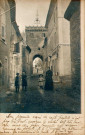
<point x="48" y="81"/>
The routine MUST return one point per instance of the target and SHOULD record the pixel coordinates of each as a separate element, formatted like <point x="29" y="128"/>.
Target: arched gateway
<point x="38" y="64"/>
<point x="33" y="56"/>
<point x="39" y="56"/>
<point x="35" y="36"/>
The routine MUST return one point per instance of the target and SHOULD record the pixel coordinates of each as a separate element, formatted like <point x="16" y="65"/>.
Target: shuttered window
<point x="16" y="48"/>
<point x="3" y="31"/>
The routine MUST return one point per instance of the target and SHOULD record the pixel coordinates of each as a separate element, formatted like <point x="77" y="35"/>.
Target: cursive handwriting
<point x="40" y="124"/>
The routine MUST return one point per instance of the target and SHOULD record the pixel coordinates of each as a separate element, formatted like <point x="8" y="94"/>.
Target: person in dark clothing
<point x="17" y="82"/>
<point x="49" y="80"/>
<point x="24" y="81"/>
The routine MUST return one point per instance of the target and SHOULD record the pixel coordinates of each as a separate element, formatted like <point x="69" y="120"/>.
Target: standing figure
<point x="24" y="81"/>
<point x="49" y="80"/>
<point x="41" y="81"/>
<point x="17" y="82"/>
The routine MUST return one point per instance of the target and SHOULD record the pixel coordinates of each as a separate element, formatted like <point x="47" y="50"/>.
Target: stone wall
<point x="4" y="43"/>
<point x="73" y="15"/>
<point x="75" y="47"/>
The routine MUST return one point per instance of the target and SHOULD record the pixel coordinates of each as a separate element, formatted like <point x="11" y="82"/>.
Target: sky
<point x="26" y="12"/>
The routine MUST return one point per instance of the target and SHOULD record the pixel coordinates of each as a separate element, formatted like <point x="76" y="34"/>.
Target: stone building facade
<point x="25" y="59"/>
<point x="57" y="44"/>
<point x="5" y="28"/>
<point x="9" y="36"/>
<point x="35" y="36"/>
<point x="72" y="14"/>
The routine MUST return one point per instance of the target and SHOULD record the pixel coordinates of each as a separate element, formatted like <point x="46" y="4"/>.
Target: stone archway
<point x="37" y="64"/>
<point x="38" y="55"/>
<point x="30" y="58"/>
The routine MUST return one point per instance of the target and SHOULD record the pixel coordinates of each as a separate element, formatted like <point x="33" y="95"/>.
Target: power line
<point x="7" y="10"/>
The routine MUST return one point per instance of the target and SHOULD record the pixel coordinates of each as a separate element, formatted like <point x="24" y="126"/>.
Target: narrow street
<point x="36" y="100"/>
<point x="42" y="67"/>
<point x="45" y="41"/>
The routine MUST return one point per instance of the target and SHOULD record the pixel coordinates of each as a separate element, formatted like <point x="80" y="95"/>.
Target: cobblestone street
<point x="36" y="100"/>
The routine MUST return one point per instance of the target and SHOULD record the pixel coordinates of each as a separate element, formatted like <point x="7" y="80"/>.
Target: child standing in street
<point x="41" y="81"/>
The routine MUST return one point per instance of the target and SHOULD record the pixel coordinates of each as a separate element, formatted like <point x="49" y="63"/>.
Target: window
<point x="0" y="64"/>
<point x="23" y="52"/>
<point x="54" y="17"/>
<point x="38" y="48"/>
<point x="5" y="62"/>
<point x="57" y="55"/>
<point x="31" y="35"/>
<point x="57" y="73"/>
<point x="3" y="21"/>
<point x="45" y="41"/>
<point x="3" y="34"/>
<point x="3" y="24"/>
<point x="43" y="34"/>
<point x="3" y="31"/>
<point x="55" y="38"/>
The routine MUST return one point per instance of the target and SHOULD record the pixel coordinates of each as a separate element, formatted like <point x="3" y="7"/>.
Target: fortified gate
<point x="35" y="36"/>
